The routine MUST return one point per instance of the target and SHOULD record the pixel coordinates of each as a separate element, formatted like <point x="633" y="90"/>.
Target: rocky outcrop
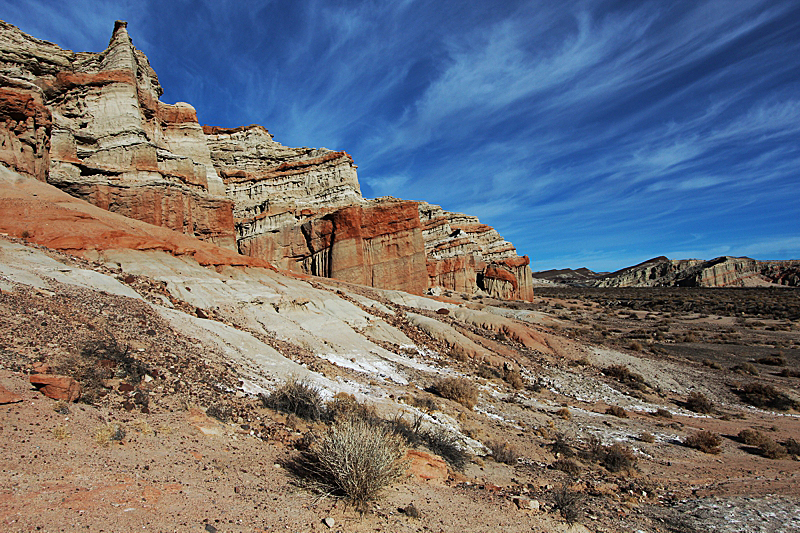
<point x="110" y="140"/>
<point x="723" y="271"/>
<point x="466" y="256"/>
<point x="92" y="124"/>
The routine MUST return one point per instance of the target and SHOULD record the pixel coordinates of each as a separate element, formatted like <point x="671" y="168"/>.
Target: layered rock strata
<point x="466" y="256"/>
<point x="110" y="140"/>
<point x="92" y="124"/>
<point x="723" y="271"/>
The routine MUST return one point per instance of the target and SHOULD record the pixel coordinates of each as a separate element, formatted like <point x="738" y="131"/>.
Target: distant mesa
<point x="660" y="271"/>
<point x="92" y="125"/>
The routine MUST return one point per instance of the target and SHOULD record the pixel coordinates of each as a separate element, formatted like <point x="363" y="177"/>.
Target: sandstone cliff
<point x="92" y="124"/>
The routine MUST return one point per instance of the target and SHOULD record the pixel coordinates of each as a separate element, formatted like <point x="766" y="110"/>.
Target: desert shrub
<point x="711" y="364"/>
<point x="460" y="390"/>
<point x="745" y="368"/>
<point x="699" y="403"/>
<point x="110" y="352"/>
<point x="661" y="413"/>
<point x="564" y="413"/>
<point x="788" y="373"/>
<point x="568" y="466"/>
<point x="647" y="437"/>
<point x="751" y="437"/>
<point x="354" y="458"/>
<point x="705" y="441"/>
<point x="772" y="360"/>
<point x="792" y="446"/>
<point x="636" y="346"/>
<point x="487" y="372"/>
<point x="568" y="503"/>
<point x="220" y="412"/>
<point x="513" y="378"/>
<point x="345" y="405"/>
<point x="446" y="445"/>
<point x="623" y="374"/>
<point x="618" y="457"/>
<point x="25" y="234"/>
<point x="561" y="446"/>
<point x="426" y="403"/>
<point x="299" y="397"/>
<point x="765" y="396"/>
<point x="594" y="448"/>
<point x="771" y="449"/>
<point x="503" y="452"/>
<point x="616" y="410"/>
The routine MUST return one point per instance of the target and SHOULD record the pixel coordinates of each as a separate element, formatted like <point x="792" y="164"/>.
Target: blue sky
<point x="589" y="133"/>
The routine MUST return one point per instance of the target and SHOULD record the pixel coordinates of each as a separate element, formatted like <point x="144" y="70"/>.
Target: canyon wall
<point x="92" y="124"/>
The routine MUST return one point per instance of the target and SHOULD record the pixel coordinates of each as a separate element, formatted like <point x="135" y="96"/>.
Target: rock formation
<point x="110" y="140"/>
<point x="663" y="272"/>
<point x="92" y="125"/>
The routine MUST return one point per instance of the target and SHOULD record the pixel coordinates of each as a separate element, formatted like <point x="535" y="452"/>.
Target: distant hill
<point x="661" y="271"/>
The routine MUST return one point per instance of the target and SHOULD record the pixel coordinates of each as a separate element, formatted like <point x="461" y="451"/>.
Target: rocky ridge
<point x="93" y="125"/>
<point x="723" y="271"/>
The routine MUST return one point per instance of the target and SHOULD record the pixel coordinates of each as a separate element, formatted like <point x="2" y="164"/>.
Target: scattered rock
<point x="6" y="396"/>
<point x="57" y="387"/>
<point x="329" y="521"/>
<point x="526" y="503"/>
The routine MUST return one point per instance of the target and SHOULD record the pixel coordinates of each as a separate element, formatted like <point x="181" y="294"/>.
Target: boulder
<point x="57" y="387"/>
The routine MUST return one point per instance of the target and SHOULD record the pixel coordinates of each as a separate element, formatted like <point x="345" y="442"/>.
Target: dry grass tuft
<point x="568" y="466"/>
<point x="661" y="413"/>
<point x="647" y="437"/>
<point x="61" y="433"/>
<point x="618" y="457"/>
<point x="503" y="452"/>
<point x="105" y="435"/>
<point x="354" y="458"/>
<point x="460" y="390"/>
<point x="568" y="503"/>
<point x="299" y="397"/>
<point x="705" y="441"/>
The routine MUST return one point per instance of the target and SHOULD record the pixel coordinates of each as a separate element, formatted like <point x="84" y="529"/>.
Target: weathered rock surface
<point x="466" y="256"/>
<point x="93" y="125"/>
<point x="720" y="272"/>
<point x="57" y="387"/>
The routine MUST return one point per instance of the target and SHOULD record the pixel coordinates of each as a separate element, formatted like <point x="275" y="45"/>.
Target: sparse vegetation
<point x="503" y="452"/>
<point x="765" y="396"/>
<point x="647" y="437"/>
<point x="623" y="374"/>
<point x="298" y="397"/>
<point x="699" y="403"/>
<point x="568" y="466"/>
<point x="745" y="368"/>
<point x="661" y="413"/>
<point x="460" y="390"/>
<point x="104" y="435"/>
<point x="616" y="410"/>
<point x="772" y="360"/>
<point x="618" y="457"/>
<point x="564" y="413"/>
<point x="513" y="378"/>
<point x="705" y="441"/>
<point x="61" y="433"/>
<point x="568" y="503"/>
<point x="354" y="458"/>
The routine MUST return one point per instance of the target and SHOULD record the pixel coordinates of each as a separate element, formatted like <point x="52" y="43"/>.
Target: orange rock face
<point x="25" y="125"/>
<point x="57" y="387"/>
